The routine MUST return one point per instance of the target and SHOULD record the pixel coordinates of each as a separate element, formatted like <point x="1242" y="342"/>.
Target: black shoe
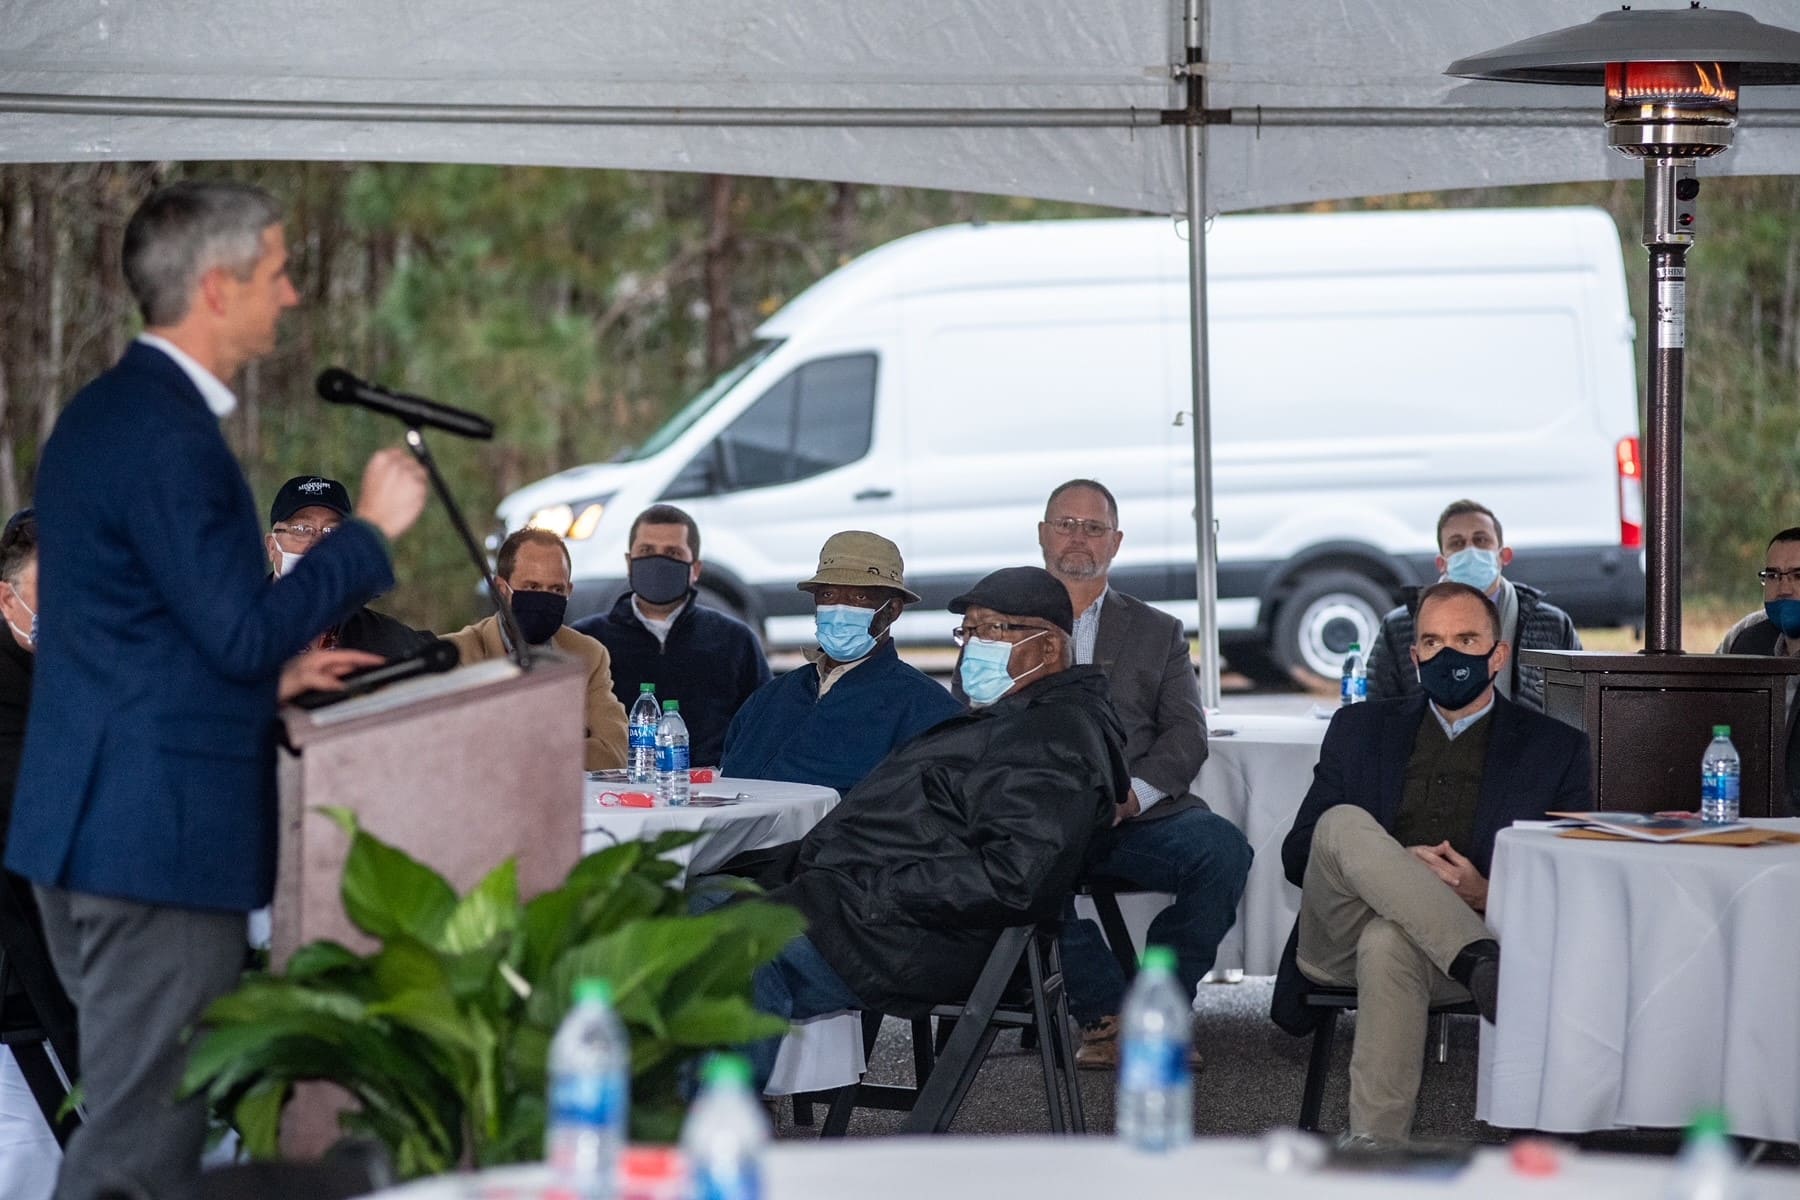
<point x="1478" y="969"/>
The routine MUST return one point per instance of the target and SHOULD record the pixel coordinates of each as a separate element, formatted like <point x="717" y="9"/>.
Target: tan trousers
<point x="1375" y="918"/>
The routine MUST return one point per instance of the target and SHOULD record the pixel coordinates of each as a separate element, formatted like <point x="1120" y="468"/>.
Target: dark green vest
<point x="1442" y="785"/>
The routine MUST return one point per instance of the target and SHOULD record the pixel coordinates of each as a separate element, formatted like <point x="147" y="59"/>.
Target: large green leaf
<point x="320" y="959"/>
<point x="257" y="1116"/>
<point x="722" y="1021"/>
<point x="386" y="891"/>
<point x="490" y="909"/>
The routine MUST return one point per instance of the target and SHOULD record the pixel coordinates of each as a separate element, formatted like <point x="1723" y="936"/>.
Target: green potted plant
<point x="442" y="1033"/>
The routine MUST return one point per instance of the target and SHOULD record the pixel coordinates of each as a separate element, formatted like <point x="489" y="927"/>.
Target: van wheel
<point x="727" y="605"/>
<point x="1322" y="616"/>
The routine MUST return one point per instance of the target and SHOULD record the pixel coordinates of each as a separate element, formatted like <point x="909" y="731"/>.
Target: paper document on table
<point x="1648" y="827"/>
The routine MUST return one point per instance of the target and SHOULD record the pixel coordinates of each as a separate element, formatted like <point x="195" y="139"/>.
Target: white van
<point x="1367" y="369"/>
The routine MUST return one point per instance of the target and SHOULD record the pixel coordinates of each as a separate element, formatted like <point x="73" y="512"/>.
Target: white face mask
<point x="288" y="563"/>
<point x="30" y="638"/>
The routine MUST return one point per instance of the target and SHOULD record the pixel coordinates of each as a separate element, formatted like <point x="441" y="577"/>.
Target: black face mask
<point x="1453" y="678"/>
<point x="659" y="579"/>
<point x="540" y="614"/>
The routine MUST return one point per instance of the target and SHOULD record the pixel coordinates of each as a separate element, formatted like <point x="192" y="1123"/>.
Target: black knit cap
<point x="1021" y="592"/>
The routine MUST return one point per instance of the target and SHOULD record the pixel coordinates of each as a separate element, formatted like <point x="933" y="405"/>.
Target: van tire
<point x="1322" y="615"/>
<point x="729" y="605"/>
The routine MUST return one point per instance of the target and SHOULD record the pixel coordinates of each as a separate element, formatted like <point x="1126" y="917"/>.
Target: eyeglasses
<point x="304" y="534"/>
<point x="1770" y="575"/>
<point x="1070" y="526"/>
<point x="990" y="632"/>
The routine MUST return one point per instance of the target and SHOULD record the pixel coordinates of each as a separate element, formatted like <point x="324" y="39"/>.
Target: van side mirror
<point x="704" y="475"/>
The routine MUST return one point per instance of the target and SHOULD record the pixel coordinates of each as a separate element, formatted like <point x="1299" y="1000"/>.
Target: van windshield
<point x="694" y="409"/>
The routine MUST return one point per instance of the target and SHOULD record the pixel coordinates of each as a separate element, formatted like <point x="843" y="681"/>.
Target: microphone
<point x="339" y="386"/>
<point x="434" y="657"/>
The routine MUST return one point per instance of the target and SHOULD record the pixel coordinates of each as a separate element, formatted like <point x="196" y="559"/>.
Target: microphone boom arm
<point x="415" y="442"/>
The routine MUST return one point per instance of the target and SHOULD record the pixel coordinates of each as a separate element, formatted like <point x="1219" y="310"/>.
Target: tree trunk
<point x="843" y="223"/>
<point x="721" y="250"/>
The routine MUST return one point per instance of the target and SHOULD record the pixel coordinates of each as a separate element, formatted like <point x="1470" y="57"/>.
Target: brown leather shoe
<point x="1099" y="1049"/>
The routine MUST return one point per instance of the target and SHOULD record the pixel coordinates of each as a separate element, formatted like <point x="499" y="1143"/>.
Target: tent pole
<point x="1206" y="550"/>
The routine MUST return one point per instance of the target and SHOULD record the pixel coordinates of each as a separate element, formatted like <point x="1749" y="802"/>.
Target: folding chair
<point x="1330" y="1001"/>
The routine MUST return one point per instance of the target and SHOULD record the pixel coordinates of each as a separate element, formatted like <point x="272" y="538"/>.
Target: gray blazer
<point x="1145" y="656"/>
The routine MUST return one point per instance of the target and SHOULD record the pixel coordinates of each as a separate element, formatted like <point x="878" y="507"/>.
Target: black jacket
<point x="711" y="663"/>
<point x="980" y="823"/>
<point x="1534" y="765"/>
<point x="378" y="633"/>
<point x="15" y="701"/>
<point x="1542" y="626"/>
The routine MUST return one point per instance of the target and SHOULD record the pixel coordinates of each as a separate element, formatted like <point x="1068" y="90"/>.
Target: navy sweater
<point x="785" y="731"/>
<point x="711" y="664"/>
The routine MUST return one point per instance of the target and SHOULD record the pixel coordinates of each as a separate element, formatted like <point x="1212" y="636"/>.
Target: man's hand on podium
<point x="321" y="670"/>
<point x="393" y="491"/>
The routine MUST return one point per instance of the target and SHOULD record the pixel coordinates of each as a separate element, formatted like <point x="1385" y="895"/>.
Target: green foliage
<point x="442" y="1034"/>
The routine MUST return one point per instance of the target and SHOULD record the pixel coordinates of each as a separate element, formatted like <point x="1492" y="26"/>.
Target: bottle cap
<point x="671" y="706"/>
<point x="1709" y="1123"/>
<point x="1721" y="731"/>
<point x="1158" y="958"/>
<point x="1355" y="646"/>
<point x="727" y="1070"/>
<point x="646" y="687"/>
<point x="594" y="991"/>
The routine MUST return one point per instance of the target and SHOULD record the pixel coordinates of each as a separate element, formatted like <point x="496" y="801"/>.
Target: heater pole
<point x="1670" y="189"/>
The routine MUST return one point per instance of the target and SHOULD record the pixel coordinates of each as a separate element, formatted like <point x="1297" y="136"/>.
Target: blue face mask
<point x="844" y="631"/>
<point x="1785" y="614"/>
<point x="983" y="673"/>
<point x="1474" y="566"/>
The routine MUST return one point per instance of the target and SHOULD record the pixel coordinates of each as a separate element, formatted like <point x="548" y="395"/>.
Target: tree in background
<point x="578" y="309"/>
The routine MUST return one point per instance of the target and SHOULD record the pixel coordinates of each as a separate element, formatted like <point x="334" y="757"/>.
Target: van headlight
<point x="576" y="521"/>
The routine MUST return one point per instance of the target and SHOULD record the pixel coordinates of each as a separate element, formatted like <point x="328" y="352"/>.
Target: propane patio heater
<point x="1671" y="79"/>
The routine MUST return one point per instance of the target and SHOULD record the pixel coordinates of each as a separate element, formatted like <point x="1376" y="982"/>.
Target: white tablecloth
<point x="1255" y="777"/>
<point x="28" y="1152"/>
<point x="771" y="813"/>
<point x="1640" y="982"/>
<point x="825" y="1052"/>
<point x="1096" y="1168"/>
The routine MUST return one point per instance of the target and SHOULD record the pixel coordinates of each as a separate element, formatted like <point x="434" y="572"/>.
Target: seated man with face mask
<point x="305" y="512"/>
<point x="1472" y="550"/>
<point x="979" y="824"/>
<point x="532" y="572"/>
<point x="1392" y="847"/>
<point x="830" y="722"/>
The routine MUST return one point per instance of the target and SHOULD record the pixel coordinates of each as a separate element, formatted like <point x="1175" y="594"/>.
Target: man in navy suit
<point x="1394" y="842"/>
<point x="145" y="810"/>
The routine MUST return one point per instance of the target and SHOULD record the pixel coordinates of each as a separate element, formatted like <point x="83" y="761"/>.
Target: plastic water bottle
<point x="645" y="713"/>
<point x="1353" y="687"/>
<point x="1707" y="1167"/>
<point x="1156" y="1087"/>
<point x="1719" y="771"/>
<point x="672" y="784"/>
<point x="590" y="1095"/>
<point x="724" y="1135"/>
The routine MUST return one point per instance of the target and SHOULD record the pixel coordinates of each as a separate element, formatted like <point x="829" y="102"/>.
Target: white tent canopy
<point x="1059" y="100"/>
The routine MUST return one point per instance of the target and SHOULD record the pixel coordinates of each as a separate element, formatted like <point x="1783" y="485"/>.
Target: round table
<point x="754" y="813"/>
<point x="824" y="1052"/>
<point x="951" y="1168"/>
<point x="1641" y="982"/>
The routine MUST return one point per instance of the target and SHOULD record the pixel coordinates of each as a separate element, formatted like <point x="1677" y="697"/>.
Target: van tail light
<point x="1631" y="495"/>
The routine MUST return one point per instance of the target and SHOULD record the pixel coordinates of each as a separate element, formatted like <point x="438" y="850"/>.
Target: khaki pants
<point x="1375" y="918"/>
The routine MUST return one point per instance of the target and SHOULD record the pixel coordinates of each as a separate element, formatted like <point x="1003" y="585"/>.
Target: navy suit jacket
<point x="1534" y="765"/>
<point x="148" y="771"/>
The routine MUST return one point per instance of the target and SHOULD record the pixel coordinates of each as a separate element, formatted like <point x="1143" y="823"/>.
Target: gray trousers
<point x="1375" y="918"/>
<point x="139" y="975"/>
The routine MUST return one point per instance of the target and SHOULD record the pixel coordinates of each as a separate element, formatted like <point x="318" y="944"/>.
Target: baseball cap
<point x="1021" y="592"/>
<point x="306" y="491"/>
<point x="857" y="558"/>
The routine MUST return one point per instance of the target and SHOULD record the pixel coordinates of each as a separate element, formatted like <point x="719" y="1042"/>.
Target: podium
<point x="461" y="770"/>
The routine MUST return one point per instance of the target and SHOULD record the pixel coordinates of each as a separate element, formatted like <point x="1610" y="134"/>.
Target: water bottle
<point x="645" y="713"/>
<point x="672" y="784"/>
<point x="1156" y="1087"/>
<point x="590" y="1095"/>
<point x="724" y="1134"/>
<point x="1706" y="1168"/>
<point x="1353" y="687"/>
<point x="1719" y="771"/>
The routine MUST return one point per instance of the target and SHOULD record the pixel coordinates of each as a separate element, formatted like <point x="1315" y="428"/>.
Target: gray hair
<point x="185" y="230"/>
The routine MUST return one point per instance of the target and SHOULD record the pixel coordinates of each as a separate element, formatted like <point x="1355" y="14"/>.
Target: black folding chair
<point x="37" y="1022"/>
<point x="1330" y="1001"/>
<point x="1020" y="987"/>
